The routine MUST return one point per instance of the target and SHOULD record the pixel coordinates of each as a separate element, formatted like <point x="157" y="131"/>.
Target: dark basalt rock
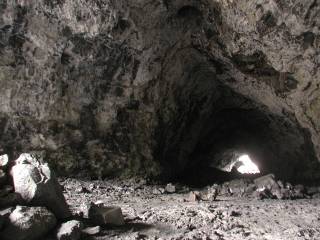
<point x="158" y="88"/>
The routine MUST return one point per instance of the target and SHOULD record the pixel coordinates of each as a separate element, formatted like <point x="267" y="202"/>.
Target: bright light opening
<point x="248" y="166"/>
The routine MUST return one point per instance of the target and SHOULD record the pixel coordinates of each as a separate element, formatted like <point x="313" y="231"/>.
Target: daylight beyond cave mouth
<point x="204" y="144"/>
<point x="247" y="165"/>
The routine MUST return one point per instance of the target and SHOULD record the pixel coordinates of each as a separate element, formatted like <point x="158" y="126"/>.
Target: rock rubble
<point x="32" y="204"/>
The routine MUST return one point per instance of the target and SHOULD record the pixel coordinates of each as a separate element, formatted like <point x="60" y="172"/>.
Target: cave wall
<point x="119" y="87"/>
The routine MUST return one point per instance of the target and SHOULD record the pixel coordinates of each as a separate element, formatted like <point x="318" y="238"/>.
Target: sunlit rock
<point x="37" y="185"/>
<point x="70" y="230"/>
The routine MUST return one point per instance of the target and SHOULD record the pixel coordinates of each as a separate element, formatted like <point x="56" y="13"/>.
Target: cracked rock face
<point x="159" y="87"/>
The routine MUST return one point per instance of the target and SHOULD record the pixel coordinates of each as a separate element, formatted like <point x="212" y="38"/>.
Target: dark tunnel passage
<point x="205" y="126"/>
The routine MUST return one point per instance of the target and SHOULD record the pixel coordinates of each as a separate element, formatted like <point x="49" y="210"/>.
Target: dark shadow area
<point x="204" y="125"/>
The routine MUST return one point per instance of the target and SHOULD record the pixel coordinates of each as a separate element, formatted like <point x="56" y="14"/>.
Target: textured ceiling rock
<point x="116" y="87"/>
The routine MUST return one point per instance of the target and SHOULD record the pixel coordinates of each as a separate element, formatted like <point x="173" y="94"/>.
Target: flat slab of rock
<point x="37" y="185"/>
<point x="101" y="215"/>
<point x="28" y="223"/>
<point x="70" y="230"/>
<point x="92" y="230"/>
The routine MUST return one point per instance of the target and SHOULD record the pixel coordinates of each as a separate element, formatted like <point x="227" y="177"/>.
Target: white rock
<point x="37" y="185"/>
<point x="70" y="230"/>
<point x="92" y="230"/>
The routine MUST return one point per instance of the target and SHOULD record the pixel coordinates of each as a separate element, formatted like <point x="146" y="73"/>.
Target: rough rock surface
<point x="102" y="215"/>
<point x="170" y="216"/>
<point x="37" y="185"/>
<point x="28" y="223"/>
<point x="70" y="230"/>
<point x="116" y="87"/>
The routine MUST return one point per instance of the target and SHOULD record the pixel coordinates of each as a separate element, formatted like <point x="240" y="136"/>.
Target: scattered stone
<point x="99" y="203"/>
<point x="234" y="213"/>
<point x="156" y="191"/>
<point x="238" y="186"/>
<point x="280" y="183"/>
<point x="70" y="230"/>
<point x="262" y="193"/>
<point x="38" y="185"/>
<point x="285" y="194"/>
<point x="214" y="194"/>
<point x="276" y="191"/>
<point x="267" y="181"/>
<point x="101" y="215"/>
<point x="91" y="187"/>
<point x="28" y="223"/>
<point x="92" y="230"/>
<point x="193" y="196"/>
<point x="4" y="161"/>
<point x="82" y="189"/>
<point x="170" y="188"/>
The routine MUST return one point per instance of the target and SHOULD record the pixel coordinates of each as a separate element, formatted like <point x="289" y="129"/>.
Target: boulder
<point x="28" y="223"/>
<point x="267" y="181"/>
<point x="194" y="196"/>
<point x="156" y="191"/>
<point x="263" y="193"/>
<point x="102" y="215"/>
<point x="170" y="188"/>
<point x="37" y="185"/>
<point x="70" y="230"/>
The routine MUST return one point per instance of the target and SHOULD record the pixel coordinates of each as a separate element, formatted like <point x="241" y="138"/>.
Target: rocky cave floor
<point x="152" y="213"/>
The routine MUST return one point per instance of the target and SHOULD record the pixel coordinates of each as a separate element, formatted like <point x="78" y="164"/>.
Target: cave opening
<point x="206" y="127"/>
<point x="245" y="165"/>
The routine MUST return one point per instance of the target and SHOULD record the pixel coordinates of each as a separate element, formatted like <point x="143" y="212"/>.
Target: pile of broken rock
<point x="266" y="187"/>
<point x="32" y="204"/>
